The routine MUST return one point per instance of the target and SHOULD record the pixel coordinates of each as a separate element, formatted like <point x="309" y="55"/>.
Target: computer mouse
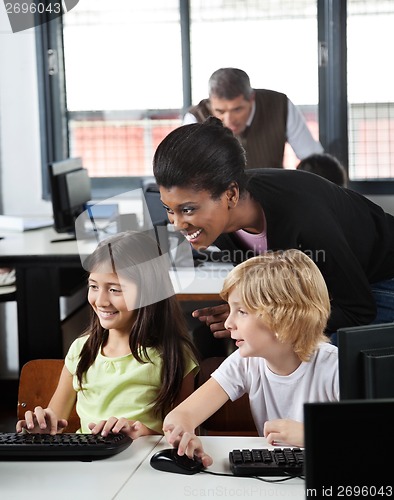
<point x="168" y="460"/>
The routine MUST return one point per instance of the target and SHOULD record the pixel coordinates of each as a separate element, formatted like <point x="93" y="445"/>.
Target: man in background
<point x="263" y="120"/>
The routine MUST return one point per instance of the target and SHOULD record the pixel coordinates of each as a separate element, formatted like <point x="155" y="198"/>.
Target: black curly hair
<point x="202" y="156"/>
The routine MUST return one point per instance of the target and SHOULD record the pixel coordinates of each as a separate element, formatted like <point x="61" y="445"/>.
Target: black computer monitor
<point x="366" y="361"/>
<point x="70" y="192"/>
<point x="154" y="212"/>
<point x="346" y="445"/>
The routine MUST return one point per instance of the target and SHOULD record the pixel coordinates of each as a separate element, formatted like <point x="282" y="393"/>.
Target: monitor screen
<point x="366" y="361"/>
<point x="70" y="192"/>
<point x="154" y="212"/>
<point x="345" y="446"/>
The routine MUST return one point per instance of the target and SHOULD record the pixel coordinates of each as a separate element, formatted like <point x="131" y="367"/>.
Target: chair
<point x="38" y="381"/>
<point x="234" y="417"/>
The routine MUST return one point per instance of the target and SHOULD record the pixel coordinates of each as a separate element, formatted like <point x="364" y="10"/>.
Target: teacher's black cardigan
<point x="350" y="238"/>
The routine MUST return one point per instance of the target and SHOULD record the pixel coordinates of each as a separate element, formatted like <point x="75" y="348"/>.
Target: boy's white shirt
<point x="275" y="396"/>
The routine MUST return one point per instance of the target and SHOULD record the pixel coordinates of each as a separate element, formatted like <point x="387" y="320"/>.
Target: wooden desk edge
<point x="196" y="297"/>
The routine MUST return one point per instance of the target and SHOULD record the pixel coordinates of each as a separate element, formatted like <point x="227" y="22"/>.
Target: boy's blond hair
<point x="288" y="290"/>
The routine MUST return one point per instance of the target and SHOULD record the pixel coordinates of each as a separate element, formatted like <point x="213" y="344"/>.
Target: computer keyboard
<point x="264" y="462"/>
<point x="67" y="446"/>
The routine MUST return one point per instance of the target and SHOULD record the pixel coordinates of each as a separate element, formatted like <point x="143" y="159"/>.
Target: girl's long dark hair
<point x="159" y="324"/>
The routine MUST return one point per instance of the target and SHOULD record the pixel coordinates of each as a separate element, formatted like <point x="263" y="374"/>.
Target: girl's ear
<point x="232" y="194"/>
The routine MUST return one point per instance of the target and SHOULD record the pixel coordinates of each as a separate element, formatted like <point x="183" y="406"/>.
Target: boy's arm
<point x="179" y="425"/>
<point x="197" y="407"/>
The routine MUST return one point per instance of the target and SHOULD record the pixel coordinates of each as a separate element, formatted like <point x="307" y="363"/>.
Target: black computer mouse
<point x="168" y="460"/>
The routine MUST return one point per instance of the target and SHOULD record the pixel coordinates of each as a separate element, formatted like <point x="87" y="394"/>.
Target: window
<point x="370" y="37"/>
<point x="124" y="72"/>
<point x="264" y="39"/>
<point x="124" y="82"/>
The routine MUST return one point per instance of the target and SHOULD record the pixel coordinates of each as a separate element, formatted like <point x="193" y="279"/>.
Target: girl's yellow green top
<point x="120" y="387"/>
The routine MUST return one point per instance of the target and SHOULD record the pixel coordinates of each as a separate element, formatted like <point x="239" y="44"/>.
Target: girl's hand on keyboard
<point x="41" y="421"/>
<point x="132" y="428"/>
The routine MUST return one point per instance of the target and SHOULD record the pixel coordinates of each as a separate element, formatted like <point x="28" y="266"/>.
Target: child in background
<point x="279" y="306"/>
<point x="325" y="165"/>
<point x="135" y="361"/>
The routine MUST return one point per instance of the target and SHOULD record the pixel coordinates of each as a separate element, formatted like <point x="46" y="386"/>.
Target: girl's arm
<point x="52" y="419"/>
<point x="179" y="425"/>
<point x="64" y="397"/>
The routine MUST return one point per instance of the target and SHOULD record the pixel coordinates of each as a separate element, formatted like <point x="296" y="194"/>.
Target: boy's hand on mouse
<point x="191" y="446"/>
<point x="187" y="443"/>
<point x="214" y="317"/>
<point x="41" y="421"/>
<point x="132" y="428"/>
<point x="284" y="431"/>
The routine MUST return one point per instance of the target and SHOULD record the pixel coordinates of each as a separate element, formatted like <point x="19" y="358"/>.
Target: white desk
<point x="74" y="480"/>
<point x="44" y="268"/>
<point x="200" y="283"/>
<point x="149" y="483"/>
<point x="129" y="476"/>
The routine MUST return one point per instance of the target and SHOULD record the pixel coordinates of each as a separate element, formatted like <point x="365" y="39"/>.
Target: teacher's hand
<point x="214" y="317"/>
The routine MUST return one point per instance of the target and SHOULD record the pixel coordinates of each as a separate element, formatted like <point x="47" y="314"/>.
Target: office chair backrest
<point x="37" y="383"/>
<point x="232" y="419"/>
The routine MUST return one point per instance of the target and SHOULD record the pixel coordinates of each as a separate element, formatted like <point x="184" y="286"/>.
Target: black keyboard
<point x="71" y="446"/>
<point x="264" y="462"/>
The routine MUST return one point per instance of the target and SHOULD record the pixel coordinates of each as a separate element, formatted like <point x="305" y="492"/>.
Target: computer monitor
<point x="366" y="361"/>
<point x="154" y="212"/>
<point x="70" y="192"/>
<point x="346" y="448"/>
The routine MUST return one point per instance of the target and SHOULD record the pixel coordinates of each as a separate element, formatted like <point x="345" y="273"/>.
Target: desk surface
<point x="21" y="245"/>
<point x="152" y="483"/>
<point x="17" y="248"/>
<point x="129" y="475"/>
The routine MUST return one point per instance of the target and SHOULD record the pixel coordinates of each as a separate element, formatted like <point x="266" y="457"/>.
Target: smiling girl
<point x="279" y="306"/>
<point x="136" y="360"/>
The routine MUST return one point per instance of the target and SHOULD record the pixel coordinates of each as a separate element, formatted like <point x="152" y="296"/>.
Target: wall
<point x="19" y="123"/>
<point x="19" y="156"/>
<point x="385" y="201"/>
